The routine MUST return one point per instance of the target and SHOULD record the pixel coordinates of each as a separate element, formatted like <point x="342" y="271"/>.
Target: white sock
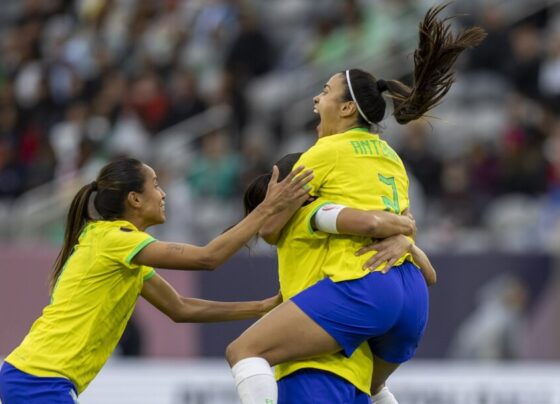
<point x="384" y="397"/>
<point x="255" y="382"/>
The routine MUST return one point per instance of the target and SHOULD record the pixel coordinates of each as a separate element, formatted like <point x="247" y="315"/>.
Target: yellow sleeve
<point x="148" y="273"/>
<point x="122" y="244"/>
<point x="313" y="208"/>
<point x="321" y="159"/>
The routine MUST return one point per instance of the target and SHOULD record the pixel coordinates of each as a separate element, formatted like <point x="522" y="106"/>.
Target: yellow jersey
<point x="301" y="254"/>
<point x="91" y="304"/>
<point x="357" y="169"/>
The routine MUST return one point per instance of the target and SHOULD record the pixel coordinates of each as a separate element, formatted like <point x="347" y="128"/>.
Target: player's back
<point x="360" y="170"/>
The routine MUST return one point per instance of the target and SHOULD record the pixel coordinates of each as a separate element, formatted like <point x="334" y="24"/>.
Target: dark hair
<point x="256" y="191"/>
<point x="113" y="184"/>
<point x="434" y="58"/>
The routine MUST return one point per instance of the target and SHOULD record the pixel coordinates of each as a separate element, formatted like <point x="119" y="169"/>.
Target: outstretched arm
<point x="280" y="196"/>
<point x="181" y="309"/>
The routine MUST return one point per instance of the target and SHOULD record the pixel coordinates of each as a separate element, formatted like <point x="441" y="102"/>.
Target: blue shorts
<point x="17" y="387"/>
<point x="390" y="311"/>
<point x="313" y="386"/>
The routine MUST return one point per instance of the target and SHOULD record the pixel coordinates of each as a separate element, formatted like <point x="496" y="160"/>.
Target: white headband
<point x="354" y="98"/>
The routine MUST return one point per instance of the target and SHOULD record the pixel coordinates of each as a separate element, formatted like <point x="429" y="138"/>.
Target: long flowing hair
<point x="437" y="51"/>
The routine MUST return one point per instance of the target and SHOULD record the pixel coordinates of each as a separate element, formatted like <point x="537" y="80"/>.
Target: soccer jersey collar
<point x="338" y="136"/>
<point x="357" y="130"/>
<point x="115" y="223"/>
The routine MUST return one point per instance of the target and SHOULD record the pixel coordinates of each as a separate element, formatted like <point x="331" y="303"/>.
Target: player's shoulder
<point x="320" y="150"/>
<point x="112" y="226"/>
<point x="117" y="231"/>
<point x="320" y="145"/>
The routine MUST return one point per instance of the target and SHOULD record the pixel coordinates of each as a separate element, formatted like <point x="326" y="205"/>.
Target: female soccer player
<point x="105" y="264"/>
<point x="328" y="378"/>
<point x="356" y="168"/>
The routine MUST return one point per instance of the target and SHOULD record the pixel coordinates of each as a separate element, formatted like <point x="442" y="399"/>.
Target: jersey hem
<point x="280" y="375"/>
<point x="37" y="373"/>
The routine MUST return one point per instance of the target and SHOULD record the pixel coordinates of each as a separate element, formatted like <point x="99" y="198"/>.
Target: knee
<point x="244" y="347"/>
<point x="234" y="352"/>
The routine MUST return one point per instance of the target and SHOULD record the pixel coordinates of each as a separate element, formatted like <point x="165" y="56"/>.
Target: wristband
<point x="325" y="218"/>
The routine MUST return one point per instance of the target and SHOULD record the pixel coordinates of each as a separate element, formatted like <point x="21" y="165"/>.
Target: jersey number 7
<point x="391" y="205"/>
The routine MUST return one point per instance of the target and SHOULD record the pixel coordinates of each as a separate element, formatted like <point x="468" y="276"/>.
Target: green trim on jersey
<point x="149" y="275"/>
<point x="138" y="248"/>
<point x="312" y="214"/>
<point x="357" y="130"/>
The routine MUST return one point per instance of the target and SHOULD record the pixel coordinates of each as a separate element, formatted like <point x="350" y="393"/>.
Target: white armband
<point x="325" y="218"/>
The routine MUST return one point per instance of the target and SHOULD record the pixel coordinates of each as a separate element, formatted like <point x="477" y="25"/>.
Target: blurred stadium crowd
<point x="84" y="81"/>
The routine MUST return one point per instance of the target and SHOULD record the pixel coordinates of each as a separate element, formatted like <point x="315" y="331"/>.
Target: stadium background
<point x="211" y="93"/>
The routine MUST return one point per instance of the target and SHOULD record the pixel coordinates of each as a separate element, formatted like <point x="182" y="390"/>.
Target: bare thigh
<point x="286" y="333"/>
<point x="381" y="372"/>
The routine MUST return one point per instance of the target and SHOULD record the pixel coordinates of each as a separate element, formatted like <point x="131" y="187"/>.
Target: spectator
<point x="255" y="161"/>
<point x="457" y="203"/>
<point x="149" y="101"/>
<point x="66" y="136"/>
<point x="494" y="53"/>
<point x="483" y="172"/>
<point x="250" y="54"/>
<point x="11" y="182"/>
<point x="419" y="158"/>
<point x="549" y="75"/>
<point x="215" y="172"/>
<point x="493" y="329"/>
<point x="522" y="166"/>
<point x="524" y="70"/>
<point x="185" y="101"/>
<point x="136" y="68"/>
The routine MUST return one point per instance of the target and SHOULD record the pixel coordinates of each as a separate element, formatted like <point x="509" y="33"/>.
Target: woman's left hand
<point x="389" y="250"/>
<point x="270" y="303"/>
<point x="291" y="190"/>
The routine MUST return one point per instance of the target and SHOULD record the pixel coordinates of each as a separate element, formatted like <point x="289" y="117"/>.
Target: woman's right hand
<point x="291" y="190"/>
<point x="389" y="250"/>
<point x="270" y="303"/>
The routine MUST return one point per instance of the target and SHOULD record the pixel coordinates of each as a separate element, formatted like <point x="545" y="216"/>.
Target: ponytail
<point x="434" y="58"/>
<point x="114" y="182"/>
<point x="75" y="221"/>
